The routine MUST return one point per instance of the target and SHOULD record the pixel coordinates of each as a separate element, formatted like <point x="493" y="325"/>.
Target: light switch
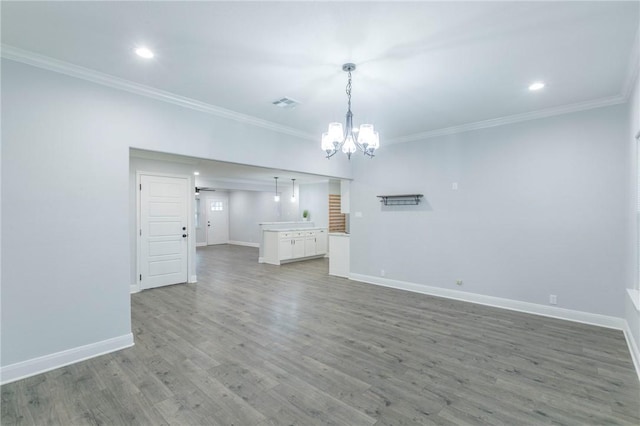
<point x="454" y="186"/>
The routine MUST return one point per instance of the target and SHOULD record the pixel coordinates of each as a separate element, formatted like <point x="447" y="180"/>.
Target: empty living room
<point x="320" y="213"/>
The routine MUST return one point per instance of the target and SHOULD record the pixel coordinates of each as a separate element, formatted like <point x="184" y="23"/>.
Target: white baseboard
<point x="193" y="279"/>
<point x="242" y="243"/>
<point x="201" y="244"/>
<point x="24" y="369"/>
<point x="498" y="302"/>
<point x="633" y="347"/>
<point x="134" y="288"/>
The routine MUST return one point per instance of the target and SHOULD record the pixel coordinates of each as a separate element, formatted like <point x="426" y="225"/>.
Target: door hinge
<point x="140" y="277"/>
<point x="141" y="232"/>
<point x="140" y="187"/>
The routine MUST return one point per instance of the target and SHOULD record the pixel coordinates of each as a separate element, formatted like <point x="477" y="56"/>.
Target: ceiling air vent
<point x="287" y="103"/>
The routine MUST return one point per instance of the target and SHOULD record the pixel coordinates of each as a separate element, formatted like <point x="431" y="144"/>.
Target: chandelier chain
<point x="349" y="91"/>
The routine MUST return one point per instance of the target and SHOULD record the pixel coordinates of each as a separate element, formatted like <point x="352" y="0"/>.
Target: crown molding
<point x="510" y="119"/>
<point x="62" y="67"/>
<point x="633" y="69"/>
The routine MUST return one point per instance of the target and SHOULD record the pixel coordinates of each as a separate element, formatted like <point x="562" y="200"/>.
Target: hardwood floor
<point x="253" y="344"/>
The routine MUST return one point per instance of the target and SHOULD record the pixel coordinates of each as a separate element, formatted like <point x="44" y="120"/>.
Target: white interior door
<point x="163" y="230"/>
<point x="217" y="220"/>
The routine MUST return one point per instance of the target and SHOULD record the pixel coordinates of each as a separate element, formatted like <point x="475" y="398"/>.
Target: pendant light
<point x="276" y="198"/>
<point x="293" y="190"/>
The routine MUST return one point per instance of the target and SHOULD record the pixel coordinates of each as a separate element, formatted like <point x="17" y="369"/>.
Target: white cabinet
<point x="290" y="245"/>
<point x="315" y="242"/>
<point x="339" y="255"/>
<point x="285" y="249"/>
<point x="282" y="246"/>
<point x="298" y="247"/>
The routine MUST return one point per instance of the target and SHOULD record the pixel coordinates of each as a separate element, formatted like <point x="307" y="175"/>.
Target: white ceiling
<point x="422" y="66"/>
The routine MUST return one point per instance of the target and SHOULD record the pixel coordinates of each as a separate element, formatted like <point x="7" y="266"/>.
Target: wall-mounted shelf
<point x="400" y="200"/>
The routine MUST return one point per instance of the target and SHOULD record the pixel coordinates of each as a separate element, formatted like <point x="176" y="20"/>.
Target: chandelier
<point x="350" y="139"/>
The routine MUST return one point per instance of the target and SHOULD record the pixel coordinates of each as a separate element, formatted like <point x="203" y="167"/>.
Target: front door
<point x="163" y="230"/>
<point x="217" y="220"/>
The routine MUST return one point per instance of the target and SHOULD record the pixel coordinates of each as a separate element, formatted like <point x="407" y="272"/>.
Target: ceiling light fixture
<point x="276" y="198"/>
<point x="144" y="52"/>
<point x="293" y="190"/>
<point x="336" y="138"/>
<point x="536" y="86"/>
<point x="196" y="173"/>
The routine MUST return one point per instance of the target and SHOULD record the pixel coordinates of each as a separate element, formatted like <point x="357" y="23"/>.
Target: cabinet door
<point x="298" y="247"/>
<point x="321" y="242"/>
<point x="310" y="246"/>
<point x="285" y="249"/>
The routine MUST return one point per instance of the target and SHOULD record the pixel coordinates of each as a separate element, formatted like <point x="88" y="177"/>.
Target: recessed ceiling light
<point x="536" y="86"/>
<point x="196" y="173"/>
<point x="144" y="52"/>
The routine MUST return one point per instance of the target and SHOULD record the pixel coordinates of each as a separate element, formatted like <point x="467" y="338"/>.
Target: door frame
<point x="218" y="197"/>
<point x="191" y="234"/>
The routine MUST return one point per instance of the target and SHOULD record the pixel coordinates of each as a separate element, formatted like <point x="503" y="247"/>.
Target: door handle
<point x="184" y="235"/>
<point x="184" y="228"/>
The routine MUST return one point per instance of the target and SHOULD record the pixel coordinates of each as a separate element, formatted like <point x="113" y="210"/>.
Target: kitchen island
<point x="283" y="245"/>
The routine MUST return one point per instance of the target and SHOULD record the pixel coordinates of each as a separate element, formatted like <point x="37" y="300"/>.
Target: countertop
<point x="310" y="228"/>
<point x="339" y="234"/>
<point x="282" y="223"/>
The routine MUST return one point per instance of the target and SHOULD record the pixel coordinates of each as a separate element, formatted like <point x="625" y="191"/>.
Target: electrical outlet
<point x="553" y="299"/>
<point x="459" y="282"/>
<point x="382" y="272"/>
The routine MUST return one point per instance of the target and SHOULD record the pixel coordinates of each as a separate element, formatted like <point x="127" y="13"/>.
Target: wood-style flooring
<point x="253" y="344"/>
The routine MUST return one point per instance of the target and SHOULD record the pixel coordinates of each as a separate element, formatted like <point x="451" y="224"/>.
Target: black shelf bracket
<point x="400" y="200"/>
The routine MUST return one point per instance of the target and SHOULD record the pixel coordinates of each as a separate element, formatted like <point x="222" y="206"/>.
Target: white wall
<point x="334" y="187"/>
<point x="631" y="314"/>
<point x="65" y="282"/>
<point x="201" y="232"/>
<point x="65" y="263"/>
<point x="249" y="208"/>
<point x="315" y="198"/>
<point x="539" y="211"/>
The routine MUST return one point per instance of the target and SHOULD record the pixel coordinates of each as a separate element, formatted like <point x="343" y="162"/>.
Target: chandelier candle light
<point x="367" y="140"/>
